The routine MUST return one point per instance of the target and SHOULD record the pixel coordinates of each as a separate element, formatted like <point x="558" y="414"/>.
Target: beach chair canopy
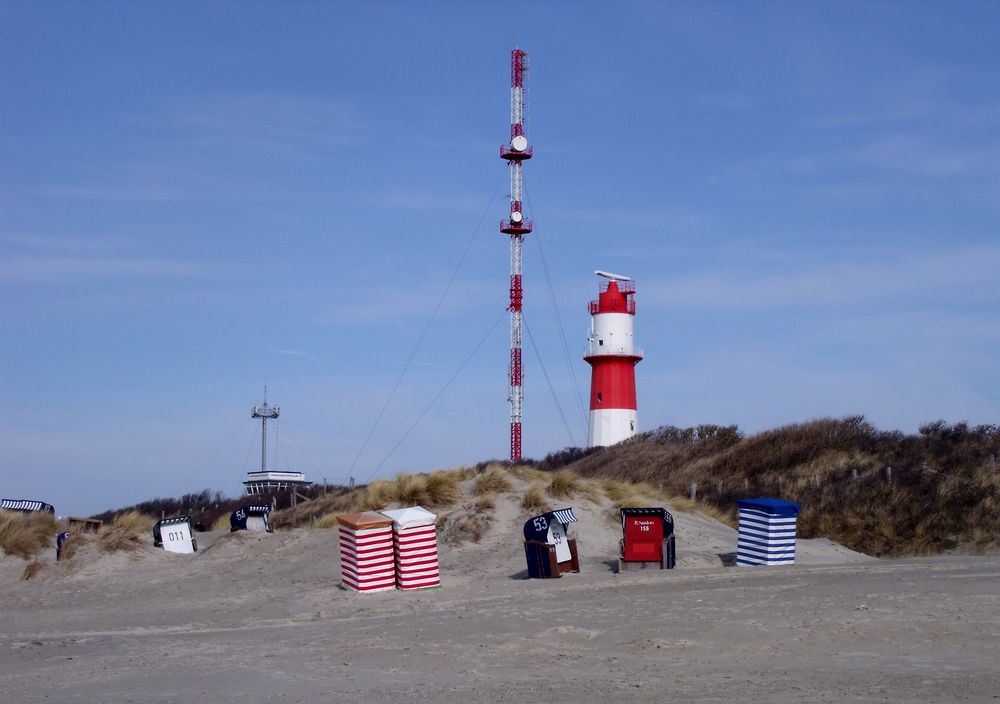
<point x="252" y="517"/>
<point x="26" y="505"/>
<point x="539" y="527"/>
<point x="773" y="507"/>
<point x="412" y="517"/>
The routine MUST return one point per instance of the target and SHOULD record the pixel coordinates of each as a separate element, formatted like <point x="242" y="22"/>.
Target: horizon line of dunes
<point x="885" y="493"/>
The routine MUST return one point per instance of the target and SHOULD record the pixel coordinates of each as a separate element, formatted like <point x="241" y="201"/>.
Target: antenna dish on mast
<point x="516" y="216"/>
<point x="613" y="277"/>
<point x="519" y="143"/>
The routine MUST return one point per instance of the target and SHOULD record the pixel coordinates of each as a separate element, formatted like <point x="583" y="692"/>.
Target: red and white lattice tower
<point x="517" y="226"/>
<point x="612" y="355"/>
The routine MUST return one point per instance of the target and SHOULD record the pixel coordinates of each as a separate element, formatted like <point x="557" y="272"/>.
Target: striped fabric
<point x="366" y="559"/>
<point x="25" y="505"/>
<point x="565" y="515"/>
<point x="416" y="557"/>
<point x="766" y="533"/>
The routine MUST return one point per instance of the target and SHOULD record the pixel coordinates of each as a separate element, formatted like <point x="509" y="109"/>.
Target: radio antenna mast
<point x="515" y="154"/>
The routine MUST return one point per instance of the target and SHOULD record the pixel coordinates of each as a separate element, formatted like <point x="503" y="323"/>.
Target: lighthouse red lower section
<point x="612" y="382"/>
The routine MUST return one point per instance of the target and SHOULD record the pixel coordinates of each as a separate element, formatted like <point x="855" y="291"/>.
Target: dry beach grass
<point x="26" y="534"/>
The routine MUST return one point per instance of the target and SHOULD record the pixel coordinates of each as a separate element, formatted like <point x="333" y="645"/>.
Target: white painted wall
<point x="611" y="425"/>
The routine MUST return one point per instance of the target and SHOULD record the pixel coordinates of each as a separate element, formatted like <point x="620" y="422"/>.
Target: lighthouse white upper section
<point x="612" y="319"/>
<point x="611" y="333"/>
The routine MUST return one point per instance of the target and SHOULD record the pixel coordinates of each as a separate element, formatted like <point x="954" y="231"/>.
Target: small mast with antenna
<point x="264" y="412"/>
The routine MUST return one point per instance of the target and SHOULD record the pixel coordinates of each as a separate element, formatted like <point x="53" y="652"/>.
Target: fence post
<point x="854" y="473"/>
<point x="779" y="483"/>
<point x="888" y="475"/>
<point x="816" y="480"/>
<point x="718" y="488"/>
<point x="746" y="485"/>
<point x="694" y="490"/>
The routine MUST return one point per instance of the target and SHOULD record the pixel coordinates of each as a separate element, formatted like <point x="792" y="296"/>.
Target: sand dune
<point x="261" y="618"/>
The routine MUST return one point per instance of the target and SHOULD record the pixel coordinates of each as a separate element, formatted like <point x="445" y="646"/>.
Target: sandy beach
<point x="260" y="617"/>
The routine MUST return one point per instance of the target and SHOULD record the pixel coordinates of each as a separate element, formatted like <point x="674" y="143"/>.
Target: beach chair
<point x="647" y="540"/>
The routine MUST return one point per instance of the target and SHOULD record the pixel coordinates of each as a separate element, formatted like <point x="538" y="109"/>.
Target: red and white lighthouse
<point x="612" y="355"/>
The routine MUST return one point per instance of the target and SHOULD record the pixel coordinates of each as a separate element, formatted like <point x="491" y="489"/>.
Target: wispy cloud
<point x="919" y="155"/>
<point x="932" y="277"/>
<point x="665" y="219"/>
<point x="40" y="269"/>
<point x="299" y="354"/>
<point x="36" y="259"/>
<point x="213" y="144"/>
<point x="416" y="301"/>
<point x="428" y="201"/>
<point x="726" y="100"/>
<point x="288" y="126"/>
<point x="34" y="242"/>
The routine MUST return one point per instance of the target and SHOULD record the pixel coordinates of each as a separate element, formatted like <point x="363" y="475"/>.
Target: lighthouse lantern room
<point x="612" y="355"/>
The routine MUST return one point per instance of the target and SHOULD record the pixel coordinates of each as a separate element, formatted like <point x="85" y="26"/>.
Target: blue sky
<point x="197" y="199"/>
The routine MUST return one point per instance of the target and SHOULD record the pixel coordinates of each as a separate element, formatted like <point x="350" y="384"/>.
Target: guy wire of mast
<point x="515" y="154"/>
<point x="264" y="412"/>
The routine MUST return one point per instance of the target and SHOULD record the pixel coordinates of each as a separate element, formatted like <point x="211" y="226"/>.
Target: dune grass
<point x="439" y="488"/>
<point x="72" y="544"/>
<point x="492" y="481"/>
<point x="127" y="532"/>
<point x="327" y="521"/>
<point x="466" y="528"/>
<point x="26" y="534"/>
<point x="376" y="495"/>
<point x="485" y="502"/>
<point x="564" y="484"/>
<point x="534" y="498"/>
<point x="33" y="569"/>
<point x="443" y="487"/>
<point x="529" y="474"/>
